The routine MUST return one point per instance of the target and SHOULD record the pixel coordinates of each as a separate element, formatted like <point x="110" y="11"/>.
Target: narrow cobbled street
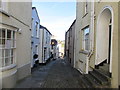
<point x="56" y="74"/>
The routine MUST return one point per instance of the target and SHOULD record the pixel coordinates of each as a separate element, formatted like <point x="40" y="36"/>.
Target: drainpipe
<point x="91" y="38"/>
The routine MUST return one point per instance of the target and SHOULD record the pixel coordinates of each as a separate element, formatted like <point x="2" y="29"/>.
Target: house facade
<point x="69" y="47"/>
<point x="15" y="32"/>
<point x="96" y="41"/>
<point x="54" y="49"/>
<point x="45" y="46"/>
<point x="61" y="45"/>
<point x="35" y="37"/>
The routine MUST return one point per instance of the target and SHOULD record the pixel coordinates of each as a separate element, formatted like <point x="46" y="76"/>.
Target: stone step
<point x="102" y="74"/>
<point x="105" y="67"/>
<point x="92" y="80"/>
<point x="85" y="82"/>
<point x="99" y="78"/>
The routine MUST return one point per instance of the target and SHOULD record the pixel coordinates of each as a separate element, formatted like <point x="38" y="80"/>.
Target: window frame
<point x="84" y="41"/>
<point x="11" y="47"/>
<point x="37" y="29"/>
<point x="86" y="7"/>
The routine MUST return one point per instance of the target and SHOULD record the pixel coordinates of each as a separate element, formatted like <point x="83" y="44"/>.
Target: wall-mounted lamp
<point x="19" y="31"/>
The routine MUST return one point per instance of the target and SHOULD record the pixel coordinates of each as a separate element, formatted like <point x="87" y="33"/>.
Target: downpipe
<point x="92" y="36"/>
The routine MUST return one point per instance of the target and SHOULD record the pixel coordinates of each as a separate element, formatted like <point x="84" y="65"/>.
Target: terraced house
<point x="15" y="36"/>
<point x="96" y="43"/>
<point x="35" y="37"/>
<point x="45" y="46"/>
<point x="69" y="43"/>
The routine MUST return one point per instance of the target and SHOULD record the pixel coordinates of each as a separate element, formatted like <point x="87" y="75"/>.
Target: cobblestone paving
<point x="56" y="74"/>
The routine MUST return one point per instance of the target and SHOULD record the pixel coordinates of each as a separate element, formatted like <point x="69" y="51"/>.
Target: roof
<point x="72" y="24"/>
<point x="36" y="11"/>
<point x="45" y="28"/>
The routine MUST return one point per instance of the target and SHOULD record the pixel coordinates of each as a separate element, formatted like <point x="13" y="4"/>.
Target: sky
<point x="57" y="17"/>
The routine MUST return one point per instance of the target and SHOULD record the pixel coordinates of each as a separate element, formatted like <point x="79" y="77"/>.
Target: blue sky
<point x="56" y="16"/>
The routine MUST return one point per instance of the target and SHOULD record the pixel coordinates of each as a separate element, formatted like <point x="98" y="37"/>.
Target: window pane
<point x="86" y="39"/>
<point x="7" y="53"/>
<point x="13" y="43"/>
<point x="3" y="41"/>
<point x="3" y="62"/>
<point x="0" y="41"/>
<point x="0" y="33"/>
<point x="7" y="61"/>
<point x="12" y="60"/>
<point x="11" y="52"/>
<point x="86" y="31"/>
<point x="3" y="33"/>
<point x="13" y="34"/>
<point x="8" y="44"/>
<point x="0" y="62"/>
<point x="8" y="34"/>
<point x="0" y="53"/>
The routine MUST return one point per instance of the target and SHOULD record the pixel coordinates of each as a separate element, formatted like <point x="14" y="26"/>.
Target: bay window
<point x="7" y="46"/>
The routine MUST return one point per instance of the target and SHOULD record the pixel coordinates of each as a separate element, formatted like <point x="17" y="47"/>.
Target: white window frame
<point x="83" y="39"/>
<point x="86" y="7"/>
<point x="36" y="49"/>
<point x="11" y="47"/>
<point x="37" y="29"/>
<point x="32" y="26"/>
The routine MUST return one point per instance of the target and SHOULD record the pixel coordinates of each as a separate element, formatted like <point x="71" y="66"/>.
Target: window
<point x="36" y="29"/>
<point x="86" y="39"/>
<point x="32" y="24"/>
<point x="36" y="49"/>
<point x="86" y="7"/>
<point x="7" y="47"/>
<point x="46" y="37"/>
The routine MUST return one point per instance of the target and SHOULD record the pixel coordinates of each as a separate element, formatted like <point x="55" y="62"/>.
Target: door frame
<point x="111" y="55"/>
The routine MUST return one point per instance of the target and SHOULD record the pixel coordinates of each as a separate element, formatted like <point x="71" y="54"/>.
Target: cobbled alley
<point x="55" y="74"/>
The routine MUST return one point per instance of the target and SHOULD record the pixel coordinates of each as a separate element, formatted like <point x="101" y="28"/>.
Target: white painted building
<point x="61" y="44"/>
<point x="45" y="44"/>
<point x="35" y="38"/>
<point x="54" y="49"/>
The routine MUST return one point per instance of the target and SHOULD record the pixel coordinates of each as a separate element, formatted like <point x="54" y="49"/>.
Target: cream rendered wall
<point x="77" y="32"/>
<point x="82" y="21"/>
<point x="99" y="7"/>
<point x="24" y="44"/>
<point x="20" y="17"/>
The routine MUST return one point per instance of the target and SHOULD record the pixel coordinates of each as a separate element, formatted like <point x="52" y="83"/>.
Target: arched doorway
<point x="104" y="38"/>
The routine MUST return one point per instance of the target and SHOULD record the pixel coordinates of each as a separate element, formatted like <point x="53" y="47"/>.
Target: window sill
<point x="4" y="12"/>
<point x="37" y="37"/>
<point x="85" y="15"/>
<point x="84" y="52"/>
<point x="8" y="67"/>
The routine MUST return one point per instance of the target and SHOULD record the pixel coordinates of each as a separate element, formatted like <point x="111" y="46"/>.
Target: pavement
<point x="55" y="74"/>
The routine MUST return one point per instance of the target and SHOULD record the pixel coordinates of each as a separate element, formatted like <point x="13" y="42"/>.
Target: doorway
<point x="104" y="38"/>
